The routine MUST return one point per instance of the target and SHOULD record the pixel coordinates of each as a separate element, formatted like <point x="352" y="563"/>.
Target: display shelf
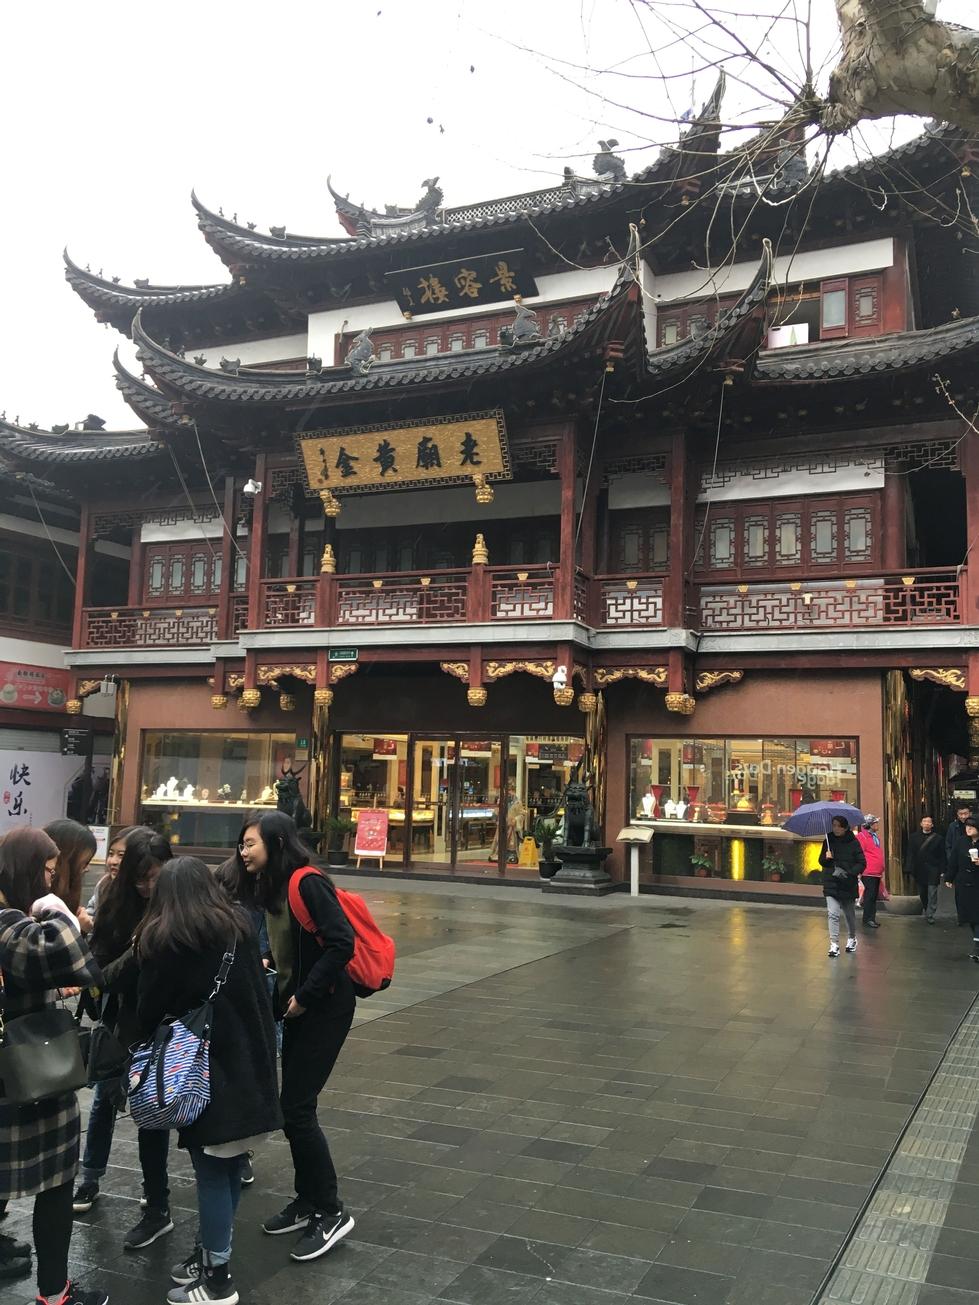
<point x="195" y="805"/>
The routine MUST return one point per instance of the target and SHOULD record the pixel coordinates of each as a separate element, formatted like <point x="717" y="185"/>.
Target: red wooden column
<point x="81" y="576"/>
<point x="682" y="492"/>
<point x="256" y="546"/>
<point x="567" y="469"/>
<point x="136" y="551"/>
<point x="970" y="578"/>
<point x="894" y="546"/>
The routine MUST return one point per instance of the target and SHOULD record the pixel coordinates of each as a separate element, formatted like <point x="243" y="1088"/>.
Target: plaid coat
<point x="39" y="1142"/>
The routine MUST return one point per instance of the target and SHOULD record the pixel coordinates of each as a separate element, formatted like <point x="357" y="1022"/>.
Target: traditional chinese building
<point x="470" y="497"/>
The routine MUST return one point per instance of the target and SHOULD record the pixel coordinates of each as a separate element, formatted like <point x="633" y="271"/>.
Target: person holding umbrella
<point x="843" y="861"/>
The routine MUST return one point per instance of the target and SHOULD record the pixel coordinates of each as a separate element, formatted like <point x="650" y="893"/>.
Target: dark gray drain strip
<point x="885" y="1258"/>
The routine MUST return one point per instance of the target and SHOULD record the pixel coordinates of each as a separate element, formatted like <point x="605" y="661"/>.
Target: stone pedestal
<point x="582" y="872"/>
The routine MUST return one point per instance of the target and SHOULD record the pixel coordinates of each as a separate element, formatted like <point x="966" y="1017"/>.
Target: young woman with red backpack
<point x="316" y="997"/>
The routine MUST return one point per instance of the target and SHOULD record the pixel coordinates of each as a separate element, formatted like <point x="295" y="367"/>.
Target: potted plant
<point x="703" y="865"/>
<point x="773" y="868"/>
<point x="545" y="832"/>
<point x="338" y="830"/>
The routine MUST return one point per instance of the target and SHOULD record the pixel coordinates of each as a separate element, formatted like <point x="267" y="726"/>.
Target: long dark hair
<point x="23" y="853"/>
<point x="286" y="853"/>
<point x="189" y="911"/>
<point x="122" y="907"/>
<point x="76" y="847"/>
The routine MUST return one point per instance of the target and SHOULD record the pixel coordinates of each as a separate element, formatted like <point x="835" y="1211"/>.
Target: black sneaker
<point x="11" y="1249"/>
<point x="15" y="1267"/>
<point x="295" y="1216"/>
<point x="213" y="1287"/>
<point x="323" y="1231"/>
<point x="77" y="1296"/>
<point x="189" y="1270"/>
<point x="86" y="1194"/>
<point x="247" y="1172"/>
<point x="153" y="1225"/>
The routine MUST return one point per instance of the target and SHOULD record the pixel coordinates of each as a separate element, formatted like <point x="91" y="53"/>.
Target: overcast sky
<point x="112" y="112"/>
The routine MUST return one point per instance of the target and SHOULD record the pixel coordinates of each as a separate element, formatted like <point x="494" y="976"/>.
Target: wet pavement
<point x="589" y="1103"/>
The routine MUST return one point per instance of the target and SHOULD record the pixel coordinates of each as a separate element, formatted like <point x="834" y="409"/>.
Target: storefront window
<point x="196" y="785"/>
<point x="738" y="780"/>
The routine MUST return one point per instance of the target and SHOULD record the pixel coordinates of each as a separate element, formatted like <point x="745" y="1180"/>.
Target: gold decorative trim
<point x="234" y="680"/>
<point x="251" y="698"/>
<point x="270" y="674"/>
<point x="658" y="675"/>
<point x="676" y="702"/>
<point x="219" y="701"/>
<point x="340" y="671"/>
<point x="713" y="679"/>
<point x="287" y="702"/>
<point x="581" y="672"/>
<point x="459" y="669"/>
<point x="74" y="706"/>
<point x="85" y="687"/>
<point x="972" y="710"/>
<point x="564" y="697"/>
<point x="587" y="701"/>
<point x="323" y="698"/>
<point x="543" y="670"/>
<point x="949" y="677"/>
<point x="476" y="697"/>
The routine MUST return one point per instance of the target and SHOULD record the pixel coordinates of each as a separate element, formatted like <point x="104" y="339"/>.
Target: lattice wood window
<point x="180" y="571"/>
<point x="678" y="322"/>
<point x="36" y="596"/>
<point x="639" y="540"/>
<point x="782" y="537"/>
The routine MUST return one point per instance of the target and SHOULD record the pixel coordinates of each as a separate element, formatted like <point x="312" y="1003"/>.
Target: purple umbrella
<point x="813" y="819"/>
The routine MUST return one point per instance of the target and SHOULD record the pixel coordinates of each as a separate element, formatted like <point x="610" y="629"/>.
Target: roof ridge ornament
<point x="606" y="165"/>
<point x="360" y="355"/>
<point x="358" y="220"/>
<point x="524" y="329"/>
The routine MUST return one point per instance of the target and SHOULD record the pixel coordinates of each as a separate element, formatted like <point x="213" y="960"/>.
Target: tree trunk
<point x="896" y="60"/>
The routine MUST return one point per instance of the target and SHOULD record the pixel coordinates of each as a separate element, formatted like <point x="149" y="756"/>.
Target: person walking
<point x="955" y="831"/>
<point x="316" y="997"/>
<point x="189" y="929"/>
<point x="76" y="847"/>
<point x="869" y="839"/>
<point x="842" y="859"/>
<point x="926" y="864"/>
<point x="120" y="913"/>
<point x="39" y="1154"/>
<point x="964" y="875"/>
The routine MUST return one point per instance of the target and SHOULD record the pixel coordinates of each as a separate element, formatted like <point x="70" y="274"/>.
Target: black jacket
<point x="965" y="876"/>
<point x="315" y="973"/>
<point x="847" y="857"/>
<point x="926" y="860"/>
<point x="955" y="831"/>
<point x="244" y="1088"/>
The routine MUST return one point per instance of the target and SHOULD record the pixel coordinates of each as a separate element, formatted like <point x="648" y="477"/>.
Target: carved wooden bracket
<point x="949" y="677"/>
<point x="657" y="675"/>
<point x="707" y="680"/>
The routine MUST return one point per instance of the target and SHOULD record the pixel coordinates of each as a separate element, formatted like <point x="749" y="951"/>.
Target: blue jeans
<point x="218" y="1190"/>
<point x="153" y="1149"/>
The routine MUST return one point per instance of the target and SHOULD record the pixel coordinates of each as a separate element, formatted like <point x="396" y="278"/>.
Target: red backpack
<point x="371" y="967"/>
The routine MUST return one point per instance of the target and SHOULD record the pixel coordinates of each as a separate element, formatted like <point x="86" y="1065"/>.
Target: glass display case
<point x="197" y="785"/>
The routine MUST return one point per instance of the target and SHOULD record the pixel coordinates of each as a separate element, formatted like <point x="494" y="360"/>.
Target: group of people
<point x="853" y="864"/>
<point x="146" y="949"/>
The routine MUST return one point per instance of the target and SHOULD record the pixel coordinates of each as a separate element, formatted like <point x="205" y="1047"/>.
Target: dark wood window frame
<point x="28" y="566"/>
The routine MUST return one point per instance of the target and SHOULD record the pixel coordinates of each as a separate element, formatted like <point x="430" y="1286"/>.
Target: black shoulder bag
<point x="40" y="1054"/>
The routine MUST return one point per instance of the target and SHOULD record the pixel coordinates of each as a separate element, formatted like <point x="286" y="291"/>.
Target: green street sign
<point x="343" y="654"/>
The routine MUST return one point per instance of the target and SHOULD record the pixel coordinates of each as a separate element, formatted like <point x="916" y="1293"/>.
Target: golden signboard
<point x="448" y="451"/>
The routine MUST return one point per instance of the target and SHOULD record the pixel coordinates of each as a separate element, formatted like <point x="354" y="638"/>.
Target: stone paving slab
<point x="620" y="1100"/>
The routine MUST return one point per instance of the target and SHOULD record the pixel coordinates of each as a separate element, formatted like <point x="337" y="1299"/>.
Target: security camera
<point x="252" y="487"/>
<point x="560" y="677"/>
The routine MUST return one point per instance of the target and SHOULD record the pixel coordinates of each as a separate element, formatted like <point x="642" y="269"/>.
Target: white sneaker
<point x="834" y="951"/>
<point x="851" y="944"/>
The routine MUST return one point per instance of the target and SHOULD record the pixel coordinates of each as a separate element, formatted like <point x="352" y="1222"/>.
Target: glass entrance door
<point x="455" y="801"/>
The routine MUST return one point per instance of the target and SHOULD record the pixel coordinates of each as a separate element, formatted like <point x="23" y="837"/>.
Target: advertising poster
<point x="34" y="786"/>
<point x="372" y="834"/>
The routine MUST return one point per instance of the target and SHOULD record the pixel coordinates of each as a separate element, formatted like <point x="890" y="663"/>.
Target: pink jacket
<point x="873" y="854"/>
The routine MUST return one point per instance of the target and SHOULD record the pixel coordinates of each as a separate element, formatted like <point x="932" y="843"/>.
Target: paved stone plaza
<point x="586" y="1103"/>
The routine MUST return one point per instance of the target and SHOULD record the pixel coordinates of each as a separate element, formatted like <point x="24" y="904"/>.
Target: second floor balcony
<point x="514" y="596"/>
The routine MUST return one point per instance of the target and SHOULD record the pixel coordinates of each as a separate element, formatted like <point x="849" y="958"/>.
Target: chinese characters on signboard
<point x="462" y="283"/>
<point x="35" y="688"/>
<point x="393" y="457"/>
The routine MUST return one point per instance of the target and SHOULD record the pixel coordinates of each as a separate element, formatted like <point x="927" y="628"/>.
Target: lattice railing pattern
<point x="159" y="627"/>
<point x="632" y="602"/>
<point x="402" y="600"/>
<point x="289" y="603"/>
<point x="527" y="599"/>
<point x="580" y="597"/>
<point x="933" y="599"/>
<point x="239" y="613"/>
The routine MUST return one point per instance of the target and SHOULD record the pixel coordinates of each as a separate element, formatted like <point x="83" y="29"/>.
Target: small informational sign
<point x="343" y="654"/>
<point x="372" y="836"/>
<point x="76" y="743"/>
<point x="101" y="833"/>
<point x="33" y="688"/>
<point x="461" y="283"/>
<point x="364" y="459"/>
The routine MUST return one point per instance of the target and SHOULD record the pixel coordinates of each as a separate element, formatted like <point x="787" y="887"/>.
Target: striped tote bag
<point x="169" y="1076"/>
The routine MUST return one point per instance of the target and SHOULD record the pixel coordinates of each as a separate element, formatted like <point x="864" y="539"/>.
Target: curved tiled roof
<point x="834" y="360"/>
<point x="30" y="445"/>
<point x="112" y="297"/>
<point x="147" y="402"/>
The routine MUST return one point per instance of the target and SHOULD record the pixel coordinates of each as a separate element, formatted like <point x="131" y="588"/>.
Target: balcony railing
<point x="521" y="595"/>
<point x="288" y="603"/>
<point x="630" y="600"/>
<point x="402" y="599"/>
<point x="159" y="627"/>
<point x="920" y="598"/>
